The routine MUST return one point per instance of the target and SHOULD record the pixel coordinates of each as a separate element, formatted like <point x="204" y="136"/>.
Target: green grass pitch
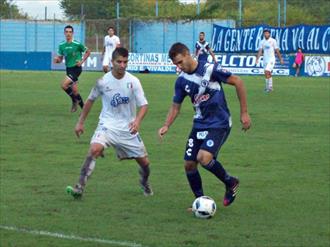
<point x="282" y="162"/>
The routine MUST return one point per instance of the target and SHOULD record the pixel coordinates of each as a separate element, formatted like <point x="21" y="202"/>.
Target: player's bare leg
<point x="144" y="172"/>
<point x="67" y="87"/>
<point x="269" y="81"/>
<point x="86" y="171"/>
<point x="207" y="160"/>
<point x="77" y="96"/>
<point x="194" y="179"/>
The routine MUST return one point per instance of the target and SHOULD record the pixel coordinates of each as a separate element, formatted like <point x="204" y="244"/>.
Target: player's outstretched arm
<point x="241" y="94"/>
<point x="79" y="129"/>
<point x="171" y="116"/>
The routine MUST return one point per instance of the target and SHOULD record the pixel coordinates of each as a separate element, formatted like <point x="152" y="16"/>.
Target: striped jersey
<point x="202" y="50"/>
<point x="204" y="87"/>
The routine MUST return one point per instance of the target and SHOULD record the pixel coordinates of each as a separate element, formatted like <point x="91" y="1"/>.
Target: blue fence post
<point x="35" y="35"/>
<point x="81" y="32"/>
<point x="194" y="34"/>
<point x="164" y="29"/>
<point x="176" y="31"/>
<point x="26" y="35"/>
<point x="279" y="14"/>
<point x="54" y="36"/>
<point x="130" y="35"/>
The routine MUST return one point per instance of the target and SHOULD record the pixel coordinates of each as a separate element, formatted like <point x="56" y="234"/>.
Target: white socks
<point x="269" y="84"/>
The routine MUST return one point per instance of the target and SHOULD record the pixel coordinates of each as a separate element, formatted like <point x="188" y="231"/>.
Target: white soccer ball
<point x="204" y="207"/>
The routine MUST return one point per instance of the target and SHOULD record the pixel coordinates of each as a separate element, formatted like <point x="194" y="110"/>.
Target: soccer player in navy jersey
<point x="203" y="49"/>
<point x="203" y="82"/>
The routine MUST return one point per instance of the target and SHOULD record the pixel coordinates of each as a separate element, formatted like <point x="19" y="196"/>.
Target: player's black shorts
<point x="73" y="73"/>
<point x="210" y="140"/>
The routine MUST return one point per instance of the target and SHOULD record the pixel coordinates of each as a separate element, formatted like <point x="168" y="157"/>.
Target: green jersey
<point x="72" y="52"/>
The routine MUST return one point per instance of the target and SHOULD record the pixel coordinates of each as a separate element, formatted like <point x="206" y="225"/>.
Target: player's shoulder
<point x="101" y="81"/>
<point x="76" y="42"/>
<point x="62" y="44"/>
<point x="129" y="76"/>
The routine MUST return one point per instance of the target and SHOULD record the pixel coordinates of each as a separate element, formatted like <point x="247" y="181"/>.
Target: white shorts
<point x="269" y="66"/>
<point x="127" y="146"/>
<point x="107" y="61"/>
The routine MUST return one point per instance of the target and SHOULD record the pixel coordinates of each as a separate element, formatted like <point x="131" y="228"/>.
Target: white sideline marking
<point x="72" y="237"/>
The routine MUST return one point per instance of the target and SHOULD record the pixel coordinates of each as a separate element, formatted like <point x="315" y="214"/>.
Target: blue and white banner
<point x="242" y="64"/>
<point x="137" y="62"/>
<point x="246" y="65"/>
<point x="151" y="62"/>
<point x="312" y="39"/>
<point x="317" y="66"/>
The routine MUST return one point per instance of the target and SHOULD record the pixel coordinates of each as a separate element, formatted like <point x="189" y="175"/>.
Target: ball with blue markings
<point x="204" y="207"/>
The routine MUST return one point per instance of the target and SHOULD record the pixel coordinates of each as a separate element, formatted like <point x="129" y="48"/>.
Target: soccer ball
<point x="204" y="207"/>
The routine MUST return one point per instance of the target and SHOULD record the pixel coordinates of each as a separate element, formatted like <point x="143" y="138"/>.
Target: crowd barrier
<point x="242" y="64"/>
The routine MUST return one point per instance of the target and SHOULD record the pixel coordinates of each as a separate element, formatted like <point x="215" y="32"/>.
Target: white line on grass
<point x="71" y="237"/>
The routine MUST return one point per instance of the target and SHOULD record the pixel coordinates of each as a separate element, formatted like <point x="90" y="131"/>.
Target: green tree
<point x="107" y="9"/>
<point x="253" y="12"/>
<point x="10" y="11"/>
<point x="77" y="9"/>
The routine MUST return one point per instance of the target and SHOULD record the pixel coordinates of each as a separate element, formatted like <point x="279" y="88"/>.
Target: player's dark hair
<point x="111" y="27"/>
<point x="202" y="33"/>
<point x="68" y="26"/>
<point x="177" y="48"/>
<point x="120" y="51"/>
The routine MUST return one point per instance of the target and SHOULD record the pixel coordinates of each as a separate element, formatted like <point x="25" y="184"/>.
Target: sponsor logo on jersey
<point x="201" y="135"/>
<point x="201" y="98"/>
<point x="117" y="100"/>
<point x="107" y="89"/>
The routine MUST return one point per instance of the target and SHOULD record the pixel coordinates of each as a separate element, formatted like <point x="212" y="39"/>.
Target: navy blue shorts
<point x="73" y="73"/>
<point x="210" y="140"/>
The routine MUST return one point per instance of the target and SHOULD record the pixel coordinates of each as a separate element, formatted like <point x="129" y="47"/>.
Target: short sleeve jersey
<point x="120" y="98"/>
<point x="203" y="50"/>
<point x="72" y="52"/>
<point x="110" y="44"/>
<point x="204" y="87"/>
<point x="268" y="46"/>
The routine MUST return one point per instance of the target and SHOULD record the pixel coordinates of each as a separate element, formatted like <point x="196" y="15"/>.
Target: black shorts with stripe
<point x="73" y="73"/>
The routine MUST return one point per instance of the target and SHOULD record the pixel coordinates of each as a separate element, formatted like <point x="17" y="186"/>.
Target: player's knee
<point x="96" y="151"/>
<point x="203" y="159"/>
<point x="190" y="165"/>
<point x="143" y="161"/>
<point x="64" y="86"/>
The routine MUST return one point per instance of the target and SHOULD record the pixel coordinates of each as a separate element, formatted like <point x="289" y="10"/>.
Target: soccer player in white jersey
<point x="268" y="46"/>
<point x="118" y="126"/>
<point x="111" y="42"/>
